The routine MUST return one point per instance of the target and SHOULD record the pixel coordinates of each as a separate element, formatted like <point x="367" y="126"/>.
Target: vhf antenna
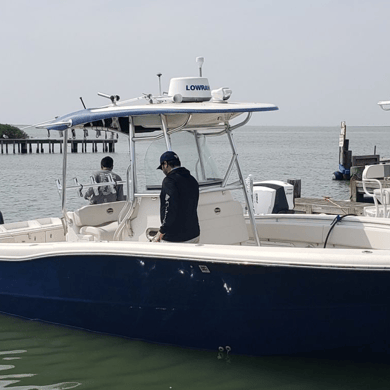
<point x="82" y="101"/>
<point x="159" y="82"/>
<point x="199" y="61"/>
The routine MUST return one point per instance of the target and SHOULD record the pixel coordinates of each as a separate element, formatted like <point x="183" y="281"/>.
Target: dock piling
<point x="297" y="187"/>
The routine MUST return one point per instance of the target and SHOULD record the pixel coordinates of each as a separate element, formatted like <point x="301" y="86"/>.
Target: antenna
<point x="82" y="101"/>
<point x="199" y="61"/>
<point x="159" y="82"/>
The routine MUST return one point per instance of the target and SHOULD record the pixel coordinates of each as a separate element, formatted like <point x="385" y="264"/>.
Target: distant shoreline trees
<point x="12" y="132"/>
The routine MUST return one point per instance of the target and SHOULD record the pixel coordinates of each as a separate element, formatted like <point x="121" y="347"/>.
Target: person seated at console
<point x="109" y="193"/>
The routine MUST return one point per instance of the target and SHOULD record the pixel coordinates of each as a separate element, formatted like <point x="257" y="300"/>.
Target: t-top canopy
<point x="146" y="117"/>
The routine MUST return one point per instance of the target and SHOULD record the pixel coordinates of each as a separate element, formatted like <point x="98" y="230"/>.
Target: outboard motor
<point x="273" y="197"/>
<point x="1" y="219"/>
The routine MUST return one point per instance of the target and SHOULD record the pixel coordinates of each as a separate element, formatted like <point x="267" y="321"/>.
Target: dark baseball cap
<point x="168" y="156"/>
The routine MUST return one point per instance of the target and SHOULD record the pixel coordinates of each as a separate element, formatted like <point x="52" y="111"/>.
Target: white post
<point x="131" y="189"/>
<point x="64" y="167"/>
<point x="246" y="195"/>
<point x="165" y="130"/>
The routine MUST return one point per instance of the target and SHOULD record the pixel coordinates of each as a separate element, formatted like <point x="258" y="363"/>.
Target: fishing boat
<point x="255" y="284"/>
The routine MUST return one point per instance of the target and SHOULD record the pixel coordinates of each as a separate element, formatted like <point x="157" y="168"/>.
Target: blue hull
<point x="255" y="310"/>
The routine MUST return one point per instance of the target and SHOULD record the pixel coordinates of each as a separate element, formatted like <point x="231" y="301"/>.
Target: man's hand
<point x="158" y="237"/>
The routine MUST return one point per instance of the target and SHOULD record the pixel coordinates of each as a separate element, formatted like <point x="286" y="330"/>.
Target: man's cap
<point x="168" y="156"/>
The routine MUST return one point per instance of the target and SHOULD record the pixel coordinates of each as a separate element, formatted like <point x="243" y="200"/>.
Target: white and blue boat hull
<point x="258" y="307"/>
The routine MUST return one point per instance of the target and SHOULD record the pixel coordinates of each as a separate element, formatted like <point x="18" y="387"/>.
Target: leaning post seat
<point x="221" y="219"/>
<point x="98" y="220"/>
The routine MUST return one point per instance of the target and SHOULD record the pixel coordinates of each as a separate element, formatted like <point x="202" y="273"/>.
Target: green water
<point x="48" y="357"/>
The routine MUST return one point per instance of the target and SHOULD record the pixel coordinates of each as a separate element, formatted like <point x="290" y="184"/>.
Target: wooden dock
<point x="328" y="206"/>
<point x="29" y="145"/>
<point x="357" y="192"/>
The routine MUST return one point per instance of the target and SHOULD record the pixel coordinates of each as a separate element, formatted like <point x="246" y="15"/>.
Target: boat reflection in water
<point x="8" y="378"/>
<point x="255" y="285"/>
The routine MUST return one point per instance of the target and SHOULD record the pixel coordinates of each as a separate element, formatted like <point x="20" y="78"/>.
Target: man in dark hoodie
<point x="178" y="202"/>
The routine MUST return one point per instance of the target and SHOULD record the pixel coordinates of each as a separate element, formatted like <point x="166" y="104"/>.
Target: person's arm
<point x="158" y="237"/>
<point x="89" y="193"/>
<point x="119" y="192"/>
<point x="170" y="206"/>
<point x="119" y="189"/>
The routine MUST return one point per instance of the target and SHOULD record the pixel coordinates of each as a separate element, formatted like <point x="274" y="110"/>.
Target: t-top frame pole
<point x="246" y="195"/>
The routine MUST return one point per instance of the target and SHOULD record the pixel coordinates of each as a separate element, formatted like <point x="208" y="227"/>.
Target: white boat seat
<point x="382" y="204"/>
<point x="99" y="221"/>
<point x="383" y="195"/>
<point x="380" y="195"/>
<point x="100" y="233"/>
<point x="98" y="214"/>
<point x="376" y="211"/>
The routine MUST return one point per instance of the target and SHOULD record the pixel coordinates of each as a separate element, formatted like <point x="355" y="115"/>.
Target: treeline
<point x="12" y="132"/>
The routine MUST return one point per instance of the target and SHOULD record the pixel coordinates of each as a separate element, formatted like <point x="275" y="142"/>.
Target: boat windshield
<point x="193" y="153"/>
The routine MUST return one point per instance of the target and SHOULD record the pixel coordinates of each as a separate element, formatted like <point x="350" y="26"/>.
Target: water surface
<point x="42" y="356"/>
<point x="28" y="189"/>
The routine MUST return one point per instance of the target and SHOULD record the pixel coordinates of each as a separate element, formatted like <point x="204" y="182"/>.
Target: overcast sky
<point x="320" y="61"/>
